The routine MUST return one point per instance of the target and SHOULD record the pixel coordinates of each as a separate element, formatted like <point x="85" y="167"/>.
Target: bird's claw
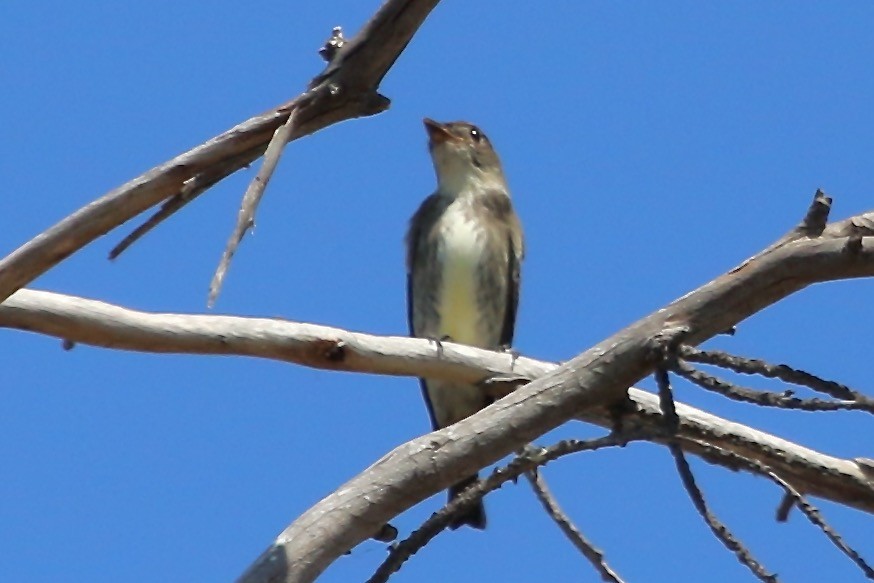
<point x="514" y="354"/>
<point x="439" y="343"/>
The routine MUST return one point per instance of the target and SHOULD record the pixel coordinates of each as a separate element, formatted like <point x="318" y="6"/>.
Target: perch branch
<point x="91" y="322"/>
<point x="599" y="376"/>
<point x="580" y="388"/>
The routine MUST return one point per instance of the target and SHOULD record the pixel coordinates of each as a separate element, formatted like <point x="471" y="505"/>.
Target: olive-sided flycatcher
<point x="464" y="250"/>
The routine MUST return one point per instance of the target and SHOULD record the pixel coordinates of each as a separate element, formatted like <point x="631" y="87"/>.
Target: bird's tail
<point x="475" y="516"/>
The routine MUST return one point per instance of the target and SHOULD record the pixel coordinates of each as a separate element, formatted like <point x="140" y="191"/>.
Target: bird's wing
<point x="514" y="261"/>
<point x="511" y="239"/>
<point x="421" y="227"/>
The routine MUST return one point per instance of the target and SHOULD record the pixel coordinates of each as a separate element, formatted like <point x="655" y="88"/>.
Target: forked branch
<point x="82" y="321"/>
<point x="346" y="89"/>
<point x="599" y="377"/>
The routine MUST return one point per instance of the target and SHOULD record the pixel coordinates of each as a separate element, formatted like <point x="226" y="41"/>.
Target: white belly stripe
<point x="462" y="252"/>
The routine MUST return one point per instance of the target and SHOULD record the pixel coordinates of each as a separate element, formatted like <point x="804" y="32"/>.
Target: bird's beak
<point x="437" y="131"/>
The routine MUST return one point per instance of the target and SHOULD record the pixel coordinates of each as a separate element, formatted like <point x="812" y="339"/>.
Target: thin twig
<point x="752" y="366"/>
<point x="666" y="401"/>
<point x="550" y="504"/>
<point x="200" y="183"/>
<point x="246" y="215"/>
<point x="792" y="497"/>
<point x="716" y="526"/>
<point x="440" y="520"/>
<point x="191" y="189"/>
<point x="167" y="210"/>
<point x="791" y="493"/>
<point x="763" y="398"/>
<point x="785" y="507"/>
<point x="816" y="518"/>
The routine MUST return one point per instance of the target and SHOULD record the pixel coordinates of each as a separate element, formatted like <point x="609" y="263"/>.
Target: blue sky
<point x="649" y="147"/>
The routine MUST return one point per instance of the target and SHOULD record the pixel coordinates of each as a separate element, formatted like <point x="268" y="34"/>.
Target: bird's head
<point x="463" y="156"/>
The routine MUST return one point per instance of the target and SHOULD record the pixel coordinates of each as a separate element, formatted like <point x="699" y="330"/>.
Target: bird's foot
<point x="514" y="354"/>
<point x="439" y="343"/>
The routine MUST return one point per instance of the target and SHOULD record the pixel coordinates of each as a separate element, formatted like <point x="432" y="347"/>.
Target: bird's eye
<point x="476" y="134"/>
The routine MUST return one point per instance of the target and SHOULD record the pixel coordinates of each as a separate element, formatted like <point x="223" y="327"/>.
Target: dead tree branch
<point x="784" y="400"/>
<point x="246" y="215"/>
<point x="599" y="376"/>
<point x="97" y="323"/>
<point x="346" y="89"/>
<point x="529" y="461"/>
<point x="580" y="388"/>
<point x="719" y="529"/>
<point x="555" y="512"/>
<point x="792" y="497"/>
<point x="787" y="374"/>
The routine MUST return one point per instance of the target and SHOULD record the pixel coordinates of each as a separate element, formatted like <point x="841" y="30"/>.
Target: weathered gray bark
<point x="346" y="89"/>
<point x="581" y="388"/>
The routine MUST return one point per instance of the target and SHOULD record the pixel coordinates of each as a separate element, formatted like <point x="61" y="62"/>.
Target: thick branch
<point x="97" y="323"/>
<point x="599" y="376"/>
<point x="100" y="324"/>
<point x="344" y="90"/>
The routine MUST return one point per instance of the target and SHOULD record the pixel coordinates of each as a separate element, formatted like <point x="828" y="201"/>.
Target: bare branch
<point x="440" y="520"/>
<point x="785" y="507"/>
<point x="765" y="398"/>
<point x="246" y="215"/>
<point x="783" y="372"/>
<point x="584" y="387"/>
<point x="719" y="529"/>
<point x="190" y="191"/>
<point x="598" y="377"/>
<point x="811" y="473"/>
<point x="814" y="221"/>
<point x="792" y="497"/>
<point x="97" y="323"/>
<point x="85" y="321"/>
<point x="550" y="504"/>
<point x="346" y="89"/>
<point x="716" y="526"/>
<point x="816" y="518"/>
<point x="856" y="226"/>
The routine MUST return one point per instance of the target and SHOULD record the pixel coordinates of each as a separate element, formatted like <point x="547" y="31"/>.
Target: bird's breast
<point x="461" y="259"/>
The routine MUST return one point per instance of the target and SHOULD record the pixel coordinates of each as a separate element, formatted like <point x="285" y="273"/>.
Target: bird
<point x="464" y="250"/>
